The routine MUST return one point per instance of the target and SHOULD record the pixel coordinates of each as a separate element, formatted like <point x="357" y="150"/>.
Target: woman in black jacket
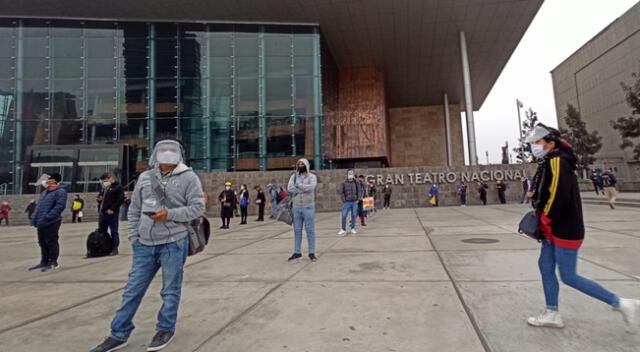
<point x="228" y="203"/>
<point x="244" y="203"/>
<point x="556" y="198"/>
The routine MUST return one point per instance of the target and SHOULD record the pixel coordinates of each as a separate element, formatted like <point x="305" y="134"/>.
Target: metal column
<point x="262" y="99"/>
<point x="17" y="147"/>
<point x="447" y="127"/>
<point x="151" y="87"/>
<point x="317" y="102"/>
<point x="468" y="101"/>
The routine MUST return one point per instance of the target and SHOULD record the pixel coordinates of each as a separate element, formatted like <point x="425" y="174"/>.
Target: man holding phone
<point x="166" y="198"/>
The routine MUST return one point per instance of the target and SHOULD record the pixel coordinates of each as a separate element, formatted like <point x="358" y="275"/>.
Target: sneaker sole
<point x="118" y="347"/>
<point x="158" y="348"/>
<point x="545" y="325"/>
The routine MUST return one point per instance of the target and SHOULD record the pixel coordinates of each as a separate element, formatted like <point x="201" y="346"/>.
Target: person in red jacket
<point x="5" y="208"/>
<point x="556" y="197"/>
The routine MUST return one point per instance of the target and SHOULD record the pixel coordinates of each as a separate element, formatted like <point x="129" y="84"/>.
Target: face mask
<point x="227" y="188"/>
<point x="44" y="184"/>
<point x="350" y="177"/>
<point x="168" y="158"/>
<point x="302" y="169"/>
<point x="106" y="184"/>
<point x="538" y="151"/>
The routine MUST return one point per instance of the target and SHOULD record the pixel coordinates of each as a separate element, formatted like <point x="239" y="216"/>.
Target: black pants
<point x="5" y="219"/>
<point x="463" y="199"/>
<point x="75" y="216"/>
<point x="261" y="211"/>
<point x="243" y="215"/>
<point x="226" y="221"/>
<point x="483" y="198"/>
<point x="598" y="188"/>
<point x="503" y="200"/>
<point x="361" y="211"/>
<point x="48" y="241"/>
<point x="387" y="201"/>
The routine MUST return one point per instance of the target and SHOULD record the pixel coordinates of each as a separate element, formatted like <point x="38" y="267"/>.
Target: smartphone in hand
<point x="149" y="213"/>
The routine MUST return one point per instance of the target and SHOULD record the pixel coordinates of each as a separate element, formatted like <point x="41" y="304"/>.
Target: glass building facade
<point x="241" y="96"/>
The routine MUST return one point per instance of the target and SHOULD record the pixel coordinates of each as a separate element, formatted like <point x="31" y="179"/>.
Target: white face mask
<point x="44" y="184"/>
<point x="538" y="151"/>
<point x="350" y="177"/>
<point x="227" y="188"/>
<point x="168" y="157"/>
<point x="106" y="184"/>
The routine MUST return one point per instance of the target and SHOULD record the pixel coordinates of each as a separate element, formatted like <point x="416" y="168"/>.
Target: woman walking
<point x="556" y="198"/>
<point x="228" y="202"/>
<point x="244" y="203"/>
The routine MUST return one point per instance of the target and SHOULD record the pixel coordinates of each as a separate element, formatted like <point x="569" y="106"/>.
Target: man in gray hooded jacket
<point x="302" y="190"/>
<point x="165" y="199"/>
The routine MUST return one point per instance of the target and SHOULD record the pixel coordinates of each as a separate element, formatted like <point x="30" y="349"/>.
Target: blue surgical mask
<point x="538" y="151"/>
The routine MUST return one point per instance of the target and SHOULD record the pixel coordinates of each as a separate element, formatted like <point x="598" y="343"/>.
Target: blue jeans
<point x="346" y="208"/>
<point x="566" y="260"/>
<point x="147" y="260"/>
<point x="110" y="221"/>
<point x="274" y="208"/>
<point x="306" y="216"/>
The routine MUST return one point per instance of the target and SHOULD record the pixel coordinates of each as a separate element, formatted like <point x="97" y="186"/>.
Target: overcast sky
<point x="559" y="29"/>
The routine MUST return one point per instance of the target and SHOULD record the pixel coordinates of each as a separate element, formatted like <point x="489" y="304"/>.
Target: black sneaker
<point x="294" y="256"/>
<point x="110" y="344"/>
<point x="363" y="224"/>
<point x="113" y="253"/>
<point x="39" y="266"/>
<point x="312" y="257"/>
<point x="611" y="206"/>
<point x="50" y="267"/>
<point x="160" y="340"/>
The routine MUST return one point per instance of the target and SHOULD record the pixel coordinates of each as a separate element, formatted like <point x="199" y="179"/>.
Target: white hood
<point x="306" y="162"/>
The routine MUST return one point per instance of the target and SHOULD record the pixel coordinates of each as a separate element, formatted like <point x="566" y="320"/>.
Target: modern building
<point x="590" y="80"/>
<point x="88" y="86"/>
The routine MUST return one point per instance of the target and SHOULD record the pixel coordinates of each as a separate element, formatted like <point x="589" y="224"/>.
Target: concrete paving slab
<point x="357" y="243"/>
<point x="614" y="225"/>
<point x="511" y="265"/>
<point x="463" y="230"/>
<point x="244" y="267"/>
<point x="501" y="310"/>
<point x="505" y="241"/>
<point x="601" y="239"/>
<point x="398" y="266"/>
<point x="625" y="260"/>
<point x="359" y="317"/>
<point x="283" y="246"/>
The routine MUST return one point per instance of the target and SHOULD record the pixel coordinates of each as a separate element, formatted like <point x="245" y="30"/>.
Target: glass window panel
<point x="192" y="132"/>
<point x="247" y="66"/>
<point x="133" y="67"/>
<point x="35" y="68"/>
<point x="247" y="136"/>
<point x="101" y="68"/>
<point x="166" y="60"/>
<point x="166" y="30"/>
<point x="7" y="47"/>
<point x="35" y="99"/>
<point x="67" y="131"/>
<point x="303" y="45"/>
<point x="7" y="86"/>
<point x="67" y="47"/>
<point x="7" y="27"/>
<point x="7" y="129"/>
<point x="101" y="131"/>
<point x="101" y="98"/>
<point x="246" y="46"/>
<point x="66" y="29"/>
<point x="220" y="45"/>
<point x="279" y="137"/>
<point x="278" y="94"/>
<point x="246" y="97"/>
<point x="67" y="98"/>
<point x="166" y="127"/>
<point x="101" y="47"/>
<point x="303" y="65"/>
<point x="304" y="95"/>
<point x="7" y="68"/>
<point x="35" y="28"/>
<point x="133" y="129"/>
<point x="166" y="91"/>
<point x="300" y="134"/>
<point x="192" y="60"/>
<point x="133" y="29"/>
<point x="221" y="66"/>
<point x="278" y="45"/>
<point x="278" y="66"/>
<point x="134" y="92"/>
<point x="277" y="28"/>
<point x="246" y="29"/>
<point x="192" y="29"/>
<point x="35" y="47"/>
<point x="35" y="132"/>
<point x="100" y="29"/>
<point x="67" y="68"/>
<point x="221" y="97"/>
<point x="191" y="98"/>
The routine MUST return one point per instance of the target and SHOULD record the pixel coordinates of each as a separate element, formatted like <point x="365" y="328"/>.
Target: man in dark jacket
<point x="261" y="201"/>
<point x="31" y="208"/>
<point x="502" y="188"/>
<point x="609" y="185"/>
<point x="350" y="192"/>
<point x="596" y="179"/>
<point x="47" y="219"/>
<point x="112" y="197"/>
<point x="363" y="193"/>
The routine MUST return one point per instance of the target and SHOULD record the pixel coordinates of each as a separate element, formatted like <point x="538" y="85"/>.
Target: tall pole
<point x="468" y="100"/>
<point x="520" y="151"/>
<point x="487" y="154"/>
<point x="447" y="126"/>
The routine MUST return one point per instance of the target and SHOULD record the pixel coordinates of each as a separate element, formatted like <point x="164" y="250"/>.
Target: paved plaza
<point x="427" y="279"/>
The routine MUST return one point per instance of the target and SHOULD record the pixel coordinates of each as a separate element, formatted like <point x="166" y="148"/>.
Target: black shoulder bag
<point x="530" y="223"/>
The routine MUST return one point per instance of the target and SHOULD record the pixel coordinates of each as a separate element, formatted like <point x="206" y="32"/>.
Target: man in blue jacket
<point x="47" y="219"/>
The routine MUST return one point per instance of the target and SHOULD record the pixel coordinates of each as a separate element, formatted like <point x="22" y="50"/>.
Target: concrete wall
<point x="19" y="203"/>
<point x="590" y="80"/>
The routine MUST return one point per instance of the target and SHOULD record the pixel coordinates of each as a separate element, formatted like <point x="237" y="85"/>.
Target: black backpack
<point x="99" y="244"/>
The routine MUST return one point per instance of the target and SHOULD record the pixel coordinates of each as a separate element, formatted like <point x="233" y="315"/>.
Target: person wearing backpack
<point x="244" y="204"/>
<point x="159" y="238"/>
<point x="273" y="199"/>
<point x="556" y="199"/>
<point x="76" y="209"/>
<point x="609" y="182"/>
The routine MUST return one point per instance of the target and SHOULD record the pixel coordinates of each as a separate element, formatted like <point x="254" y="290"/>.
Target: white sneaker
<point x="341" y="232"/>
<point x="550" y="318"/>
<point x="353" y="231"/>
<point x="629" y="309"/>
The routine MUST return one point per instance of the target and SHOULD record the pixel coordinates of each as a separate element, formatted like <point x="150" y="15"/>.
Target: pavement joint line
<point x="252" y="307"/>
<point x="466" y="308"/>
<point x="614" y="231"/>
<point x="634" y="278"/>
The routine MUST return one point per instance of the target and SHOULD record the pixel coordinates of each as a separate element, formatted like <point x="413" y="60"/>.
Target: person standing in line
<point x="228" y="200"/>
<point x="609" y="182"/>
<point x="364" y="192"/>
<point x="501" y="187"/>
<point x="349" y="194"/>
<point x="433" y="195"/>
<point x="387" y="191"/>
<point x="112" y="196"/>
<point x="76" y="209"/>
<point x="30" y="209"/>
<point x="261" y="200"/>
<point x="526" y="187"/>
<point x="47" y="218"/>
<point x="273" y="198"/>
<point x="462" y="193"/>
<point x="556" y="198"/>
<point x="373" y="191"/>
<point x="244" y="204"/>
<point x="482" y="189"/>
<point x="5" y="208"/>
<point x="596" y="179"/>
<point x="302" y="189"/>
<point x="165" y="199"/>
